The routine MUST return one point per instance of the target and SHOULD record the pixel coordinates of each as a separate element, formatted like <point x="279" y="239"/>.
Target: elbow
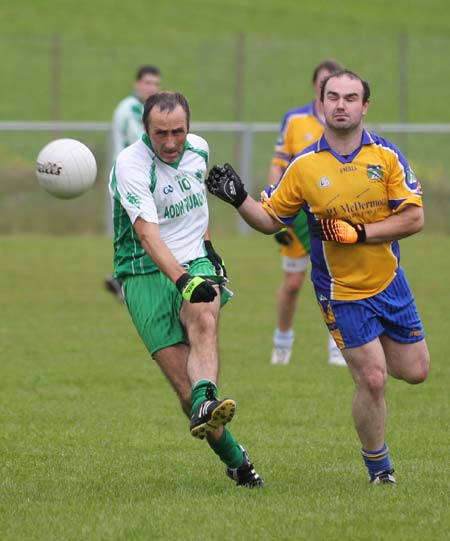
<point x="418" y="222"/>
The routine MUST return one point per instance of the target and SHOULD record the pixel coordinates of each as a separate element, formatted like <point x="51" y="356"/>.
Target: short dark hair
<point x="351" y="75"/>
<point x="148" y="69"/>
<point x="166" y="101"/>
<point x="330" y="65"/>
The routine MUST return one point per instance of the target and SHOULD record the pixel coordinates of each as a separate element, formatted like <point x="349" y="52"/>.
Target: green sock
<point x="228" y="450"/>
<point x="199" y="393"/>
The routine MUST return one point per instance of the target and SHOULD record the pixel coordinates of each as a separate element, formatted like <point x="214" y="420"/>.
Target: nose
<point x="170" y="142"/>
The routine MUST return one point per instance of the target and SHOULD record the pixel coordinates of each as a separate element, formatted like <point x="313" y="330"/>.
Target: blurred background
<point x="241" y="62"/>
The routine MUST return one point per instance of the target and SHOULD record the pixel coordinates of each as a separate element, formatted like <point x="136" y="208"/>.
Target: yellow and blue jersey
<point x="368" y="186"/>
<point x="299" y="128"/>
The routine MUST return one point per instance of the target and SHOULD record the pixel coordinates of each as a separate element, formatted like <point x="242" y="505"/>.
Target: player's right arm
<point x="192" y="288"/>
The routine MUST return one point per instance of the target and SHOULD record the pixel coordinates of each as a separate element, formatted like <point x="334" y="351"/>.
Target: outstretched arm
<point x="225" y="183"/>
<point x="254" y="214"/>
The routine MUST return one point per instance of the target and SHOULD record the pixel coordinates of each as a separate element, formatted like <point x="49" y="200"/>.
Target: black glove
<point x="215" y="259"/>
<point x="225" y="183"/>
<point x="195" y="289"/>
<point x="339" y="231"/>
<point x="283" y="237"/>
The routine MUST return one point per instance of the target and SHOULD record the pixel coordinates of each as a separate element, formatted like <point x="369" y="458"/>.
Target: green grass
<point x="94" y="445"/>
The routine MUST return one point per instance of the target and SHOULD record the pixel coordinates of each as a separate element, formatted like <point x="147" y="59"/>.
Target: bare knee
<point x="419" y="372"/>
<point x="293" y="282"/>
<point x="204" y="324"/>
<point x="374" y="381"/>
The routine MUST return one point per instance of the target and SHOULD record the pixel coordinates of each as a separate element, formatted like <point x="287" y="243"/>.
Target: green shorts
<point x="154" y="303"/>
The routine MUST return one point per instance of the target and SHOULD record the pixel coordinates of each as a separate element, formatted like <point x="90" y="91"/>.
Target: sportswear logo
<point x="204" y="408"/>
<point x="324" y="182"/>
<point x="375" y="172"/>
<point x="167" y="189"/>
<point x="322" y="297"/>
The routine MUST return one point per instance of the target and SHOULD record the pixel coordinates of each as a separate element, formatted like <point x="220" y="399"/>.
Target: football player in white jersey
<point x="127" y="128"/>
<point x="173" y="280"/>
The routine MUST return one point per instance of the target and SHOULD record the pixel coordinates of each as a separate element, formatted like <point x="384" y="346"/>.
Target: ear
<point x="366" y="107"/>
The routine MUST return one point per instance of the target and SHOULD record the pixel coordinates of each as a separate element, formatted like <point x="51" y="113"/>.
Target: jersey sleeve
<point x="131" y="186"/>
<point x="285" y="200"/>
<point x="402" y="185"/>
<point x="282" y="154"/>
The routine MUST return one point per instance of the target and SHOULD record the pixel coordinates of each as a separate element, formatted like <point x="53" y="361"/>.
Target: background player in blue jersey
<point x="360" y="196"/>
<point x="299" y="128"/>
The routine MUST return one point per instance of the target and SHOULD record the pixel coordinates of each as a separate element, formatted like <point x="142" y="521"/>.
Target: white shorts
<point x="298" y="264"/>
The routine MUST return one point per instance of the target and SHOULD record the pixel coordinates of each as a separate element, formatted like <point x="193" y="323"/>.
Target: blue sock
<point x="377" y="461"/>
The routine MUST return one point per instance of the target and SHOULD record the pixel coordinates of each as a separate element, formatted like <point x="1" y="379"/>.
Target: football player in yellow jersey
<point x="360" y="196"/>
<point x="299" y="128"/>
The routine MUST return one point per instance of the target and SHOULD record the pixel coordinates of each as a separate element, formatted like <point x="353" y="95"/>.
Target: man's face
<point x="343" y="105"/>
<point x="147" y="86"/>
<point x="167" y="131"/>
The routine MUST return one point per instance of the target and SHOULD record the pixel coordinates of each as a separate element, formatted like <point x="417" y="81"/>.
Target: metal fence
<point x="24" y="208"/>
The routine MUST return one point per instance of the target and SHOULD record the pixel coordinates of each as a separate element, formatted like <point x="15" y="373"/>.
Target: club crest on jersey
<point x="134" y="200"/>
<point x="375" y="172"/>
<point x="324" y="182"/>
<point x="411" y="179"/>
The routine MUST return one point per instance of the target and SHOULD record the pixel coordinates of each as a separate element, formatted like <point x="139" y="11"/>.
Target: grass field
<point x="92" y="50"/>
<point x="94" y="446"/>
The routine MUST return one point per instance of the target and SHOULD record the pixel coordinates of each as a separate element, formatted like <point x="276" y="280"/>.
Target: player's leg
<point x="403" y="341"/>
<point x="295" y="259"/>
<point x="409" y="362"/>
<point x="356" y="328"/>
<point x="173" y="363"/>
<point x="287" y="295"/>
<point x="154" y="304"/>
<point x="367" y="365"/>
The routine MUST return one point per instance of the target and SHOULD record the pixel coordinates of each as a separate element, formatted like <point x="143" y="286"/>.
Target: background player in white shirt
<point x="127" y="128"/>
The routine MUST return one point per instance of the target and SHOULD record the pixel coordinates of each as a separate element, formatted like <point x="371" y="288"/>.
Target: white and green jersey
<point x="127" y="124"/>
<point x="170" y="195"/>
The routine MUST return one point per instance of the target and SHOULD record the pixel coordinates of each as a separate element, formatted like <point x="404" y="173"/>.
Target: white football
<point x="66" y="168"/>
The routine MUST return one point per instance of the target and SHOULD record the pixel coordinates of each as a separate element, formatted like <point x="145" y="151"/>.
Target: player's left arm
<point x="408" y="221"/>
<point x="405" y="222"/>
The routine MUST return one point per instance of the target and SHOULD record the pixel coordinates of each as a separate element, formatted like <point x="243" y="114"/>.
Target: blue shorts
<point x="392" y="312"/>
